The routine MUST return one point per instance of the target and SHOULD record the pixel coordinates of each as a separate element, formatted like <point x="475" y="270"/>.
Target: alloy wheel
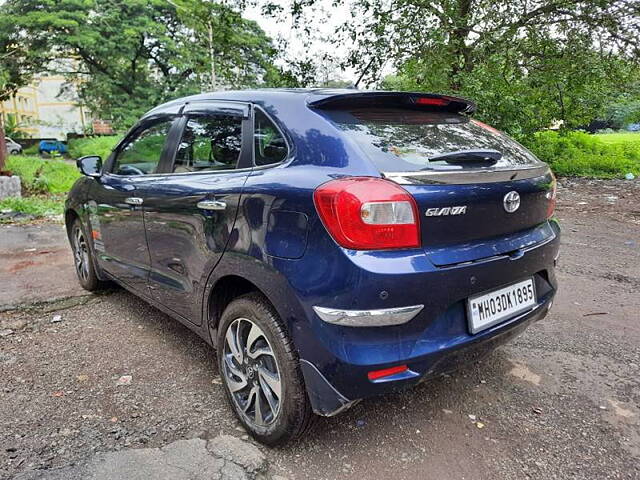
<point x="251" y="372"/>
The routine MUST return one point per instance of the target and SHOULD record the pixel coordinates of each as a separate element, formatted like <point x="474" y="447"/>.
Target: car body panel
<point x="118" y="228"/>
<point x="185" y="243"/>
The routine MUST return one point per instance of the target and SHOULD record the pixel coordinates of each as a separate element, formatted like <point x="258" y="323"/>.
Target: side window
<point x="270" y="146"/>
<point x="142" y="154"/>
<point x="209" y="143"/>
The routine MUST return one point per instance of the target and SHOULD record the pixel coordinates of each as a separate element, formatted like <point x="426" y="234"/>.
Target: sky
<point x="323" y="22"/>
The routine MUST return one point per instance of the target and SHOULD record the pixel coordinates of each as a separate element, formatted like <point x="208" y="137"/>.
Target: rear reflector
<point x="366" y="213"/>
<point x="387" y="372"/>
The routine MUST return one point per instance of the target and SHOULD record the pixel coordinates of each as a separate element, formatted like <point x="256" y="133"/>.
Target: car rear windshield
<point x="407" y="140"/>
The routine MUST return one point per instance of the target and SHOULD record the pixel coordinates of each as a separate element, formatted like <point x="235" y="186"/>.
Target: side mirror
<point x="91" y="165"/>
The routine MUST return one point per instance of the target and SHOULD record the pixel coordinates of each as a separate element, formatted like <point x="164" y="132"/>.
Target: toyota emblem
<point x="511" y="201"/>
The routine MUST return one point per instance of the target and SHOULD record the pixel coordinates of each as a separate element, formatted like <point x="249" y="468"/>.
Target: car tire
<point x="251" y="321"/>
<point x="83" y="258"/>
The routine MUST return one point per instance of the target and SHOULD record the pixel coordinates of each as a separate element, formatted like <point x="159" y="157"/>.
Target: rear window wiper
<point x="484" y="158"/>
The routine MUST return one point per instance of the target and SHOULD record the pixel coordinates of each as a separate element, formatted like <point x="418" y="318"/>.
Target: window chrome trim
<point x="459" y="177"/>
<point x="368" y="318"/>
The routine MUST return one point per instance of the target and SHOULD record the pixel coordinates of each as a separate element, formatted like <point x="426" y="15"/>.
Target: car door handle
<point x="212" y="205"/>
<point x="133" y="201"/>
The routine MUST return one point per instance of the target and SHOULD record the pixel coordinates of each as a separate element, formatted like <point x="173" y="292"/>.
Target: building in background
<point x="50" y="108"/>
<point x="59" y="109"/>
<point x="22" y="110"/>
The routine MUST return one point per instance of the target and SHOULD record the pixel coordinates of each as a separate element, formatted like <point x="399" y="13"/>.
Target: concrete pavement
<point x="221" y="458"/>
<point x="36" y="265"/>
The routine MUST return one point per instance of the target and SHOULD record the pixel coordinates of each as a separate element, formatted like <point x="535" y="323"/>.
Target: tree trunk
<point x="212" y="57"/>
<point x="457" y="42"/>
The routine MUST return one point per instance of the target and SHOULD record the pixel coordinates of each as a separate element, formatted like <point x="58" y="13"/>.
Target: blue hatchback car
<point x="52" y="146"/>
<point x="331" y="245"/>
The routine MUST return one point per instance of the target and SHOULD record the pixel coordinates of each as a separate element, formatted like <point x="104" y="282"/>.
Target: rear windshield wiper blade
<point x="467" y="157"/>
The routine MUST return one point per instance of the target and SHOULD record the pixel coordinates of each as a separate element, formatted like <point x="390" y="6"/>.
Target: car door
<point x="191" y="209"/>
<point x="117" y="197"/>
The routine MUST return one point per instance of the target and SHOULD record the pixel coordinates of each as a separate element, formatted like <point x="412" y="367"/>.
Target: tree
<point x="526" y="62"/>
<point x="129" y="55"/>
<point x="229" y="49"/>
<point x="18" y="64"/>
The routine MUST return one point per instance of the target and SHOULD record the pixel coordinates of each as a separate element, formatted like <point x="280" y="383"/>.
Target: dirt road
<point x="562" y="401"/>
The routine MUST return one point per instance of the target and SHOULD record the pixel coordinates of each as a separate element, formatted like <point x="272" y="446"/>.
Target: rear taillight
<point x="366" y="213"/>
<point x="551" y="196"/>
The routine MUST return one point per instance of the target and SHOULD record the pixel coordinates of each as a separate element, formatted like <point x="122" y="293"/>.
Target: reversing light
<point x="435" y="101"/>
<point x="368" y="213"/>
<point x="386" y="372"/>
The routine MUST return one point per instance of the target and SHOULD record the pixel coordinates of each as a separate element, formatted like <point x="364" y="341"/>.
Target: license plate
<point x="487" y="309"/>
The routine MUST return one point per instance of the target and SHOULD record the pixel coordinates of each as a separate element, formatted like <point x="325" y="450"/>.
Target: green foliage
<point x="571" y="83"/>
<point x="43" y="176"/>
<point x="102" y="146"/>
<point x="624" y="110"/>
<point x="134" y="54"/>
<point x="31" y="151"/>
<point x="583" y="155"/>
<point x="19" y="60"/>
<point x="12" y="127"/>
<point x="36" y="205"/>
<point x="620" y="138"/>
<point x="526" y="64"/>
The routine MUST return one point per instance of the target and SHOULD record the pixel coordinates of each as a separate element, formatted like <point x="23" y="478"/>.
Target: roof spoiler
<point x="412" y="100"/>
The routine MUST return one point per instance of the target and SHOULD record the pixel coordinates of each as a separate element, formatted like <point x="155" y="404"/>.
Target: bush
<point x="43" y="176"/>
<point x="32" y="150"/>
<point x="579" y="154"/>
<point x="79" y="147"/>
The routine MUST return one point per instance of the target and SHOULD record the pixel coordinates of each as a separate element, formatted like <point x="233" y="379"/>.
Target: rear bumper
<point x="433" y="342"/>
<point x="328" y="401"/>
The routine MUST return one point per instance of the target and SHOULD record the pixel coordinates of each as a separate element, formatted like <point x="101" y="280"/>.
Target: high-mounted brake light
<point x="551" y="196"/>
<point x="439" y="102"/>
<point x="366" y="213"/>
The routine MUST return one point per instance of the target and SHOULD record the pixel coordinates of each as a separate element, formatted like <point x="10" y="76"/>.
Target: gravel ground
<point x="562" y="401"/>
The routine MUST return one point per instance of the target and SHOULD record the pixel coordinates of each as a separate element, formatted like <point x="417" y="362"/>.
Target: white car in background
<point x="13" y="148"/>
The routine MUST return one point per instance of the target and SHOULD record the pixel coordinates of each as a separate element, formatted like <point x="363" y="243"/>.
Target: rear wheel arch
<point x="224" y="291"/>
<point x="237" y="275"/>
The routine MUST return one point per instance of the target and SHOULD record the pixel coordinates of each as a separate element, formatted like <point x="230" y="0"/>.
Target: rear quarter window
<point x="270" y="146"/>
<point x="406" y="140"/>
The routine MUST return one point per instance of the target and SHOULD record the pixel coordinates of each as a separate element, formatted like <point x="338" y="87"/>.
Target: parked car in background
<point x="331" y="245"/>
<point x="52" y="146"/>
<point x="13" y="147"/>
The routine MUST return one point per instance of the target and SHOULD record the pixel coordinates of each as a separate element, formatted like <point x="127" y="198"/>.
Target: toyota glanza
<point x="330" y="244"/>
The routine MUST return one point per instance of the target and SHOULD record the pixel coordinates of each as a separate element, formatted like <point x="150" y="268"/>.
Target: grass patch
<point x="36" y="205"/>
<point x="578" y="154"/>
<point x="43" y="176"/>
<point x="619" y="138"/>
<point x="80" y="147"/>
